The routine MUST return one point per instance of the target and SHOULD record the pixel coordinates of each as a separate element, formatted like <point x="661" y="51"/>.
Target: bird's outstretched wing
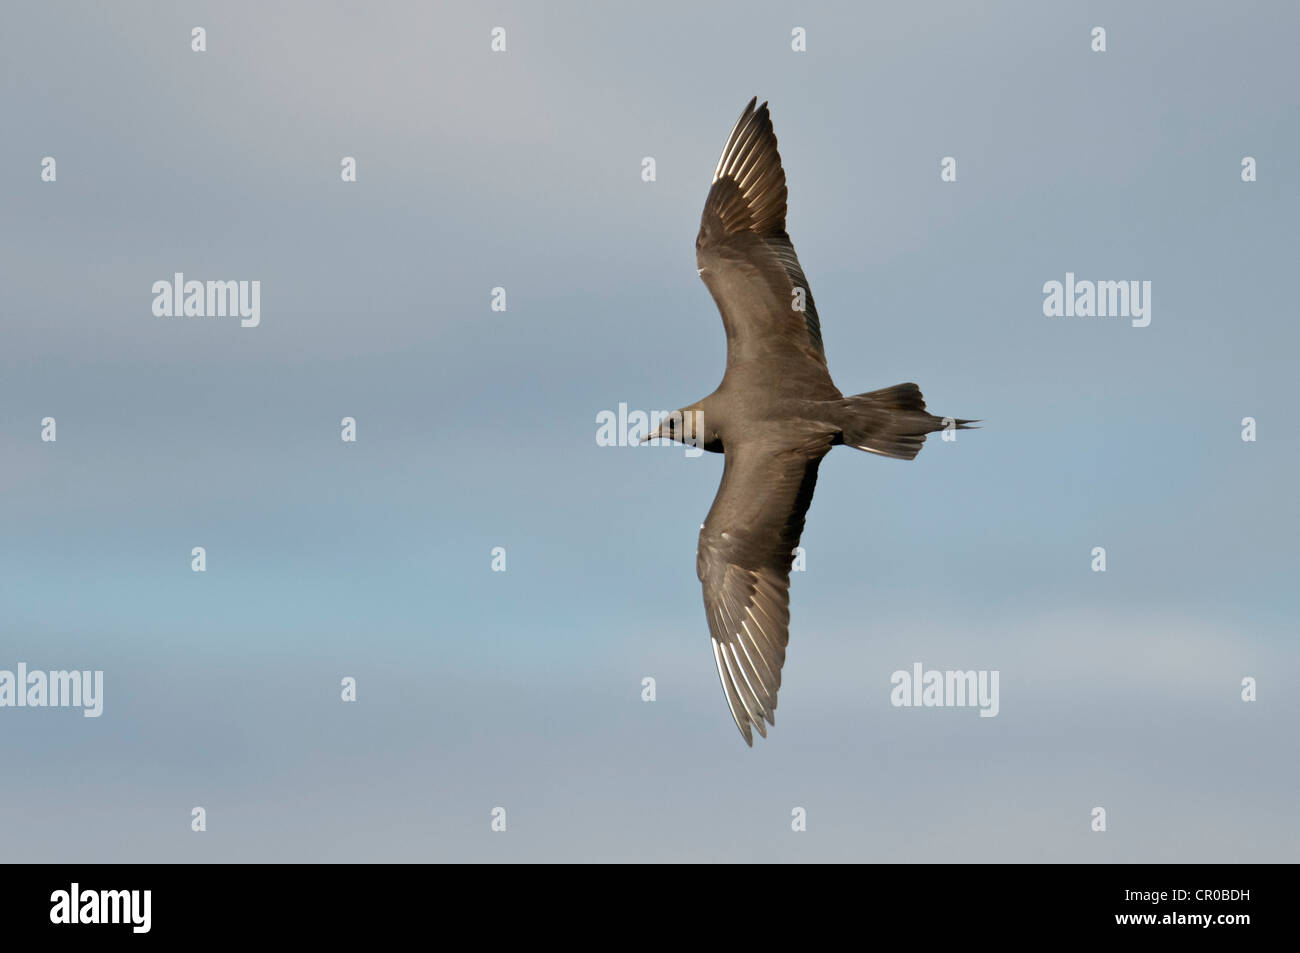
<point x="746" y="547"/>
<point x="748" y="263"/>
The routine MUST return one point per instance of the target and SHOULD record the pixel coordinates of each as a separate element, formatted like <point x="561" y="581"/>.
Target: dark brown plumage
<point x="774" y="416"/>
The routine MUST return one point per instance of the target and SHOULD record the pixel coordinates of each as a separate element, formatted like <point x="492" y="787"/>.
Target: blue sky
<point x="477" y="428"/>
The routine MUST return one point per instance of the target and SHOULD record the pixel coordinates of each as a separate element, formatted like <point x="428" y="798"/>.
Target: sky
<point x="476" y="429"/>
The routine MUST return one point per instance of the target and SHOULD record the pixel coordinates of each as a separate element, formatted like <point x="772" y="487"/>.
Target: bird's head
<point x="681" y="426"/>
<point x="670" y="428"/>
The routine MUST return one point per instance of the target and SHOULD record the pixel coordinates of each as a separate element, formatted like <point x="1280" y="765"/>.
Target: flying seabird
<point x="774" y="416"/>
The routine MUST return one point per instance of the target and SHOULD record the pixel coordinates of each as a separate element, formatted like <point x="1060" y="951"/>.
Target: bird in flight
<point x="773" y="417"/>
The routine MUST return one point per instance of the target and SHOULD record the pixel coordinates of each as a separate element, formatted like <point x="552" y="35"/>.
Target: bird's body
<point x="774" y="416"/>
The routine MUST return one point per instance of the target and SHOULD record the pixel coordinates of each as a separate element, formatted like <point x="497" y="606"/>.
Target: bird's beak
<point x="650" y="436"/>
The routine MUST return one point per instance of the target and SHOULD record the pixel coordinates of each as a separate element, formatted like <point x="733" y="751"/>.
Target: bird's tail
<point x="892" y="422"/>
